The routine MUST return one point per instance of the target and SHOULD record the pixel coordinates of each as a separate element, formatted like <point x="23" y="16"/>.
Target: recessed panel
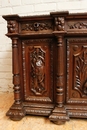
<point x="38" y="69"/>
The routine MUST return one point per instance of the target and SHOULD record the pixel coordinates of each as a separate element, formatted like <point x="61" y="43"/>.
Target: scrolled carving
<point x="37" y="26"/>
<point x="78" y="25"/>
<point x="59" y="22"/>
<point x="12" y="26"/>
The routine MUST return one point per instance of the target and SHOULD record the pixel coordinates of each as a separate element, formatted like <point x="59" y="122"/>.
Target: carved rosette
<point x="59" y="23"/>
<point x="12" y="26"/>
<point x="37" y="58"/>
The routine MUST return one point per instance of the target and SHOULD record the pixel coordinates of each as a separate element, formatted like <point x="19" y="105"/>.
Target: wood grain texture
<point x="49" y="65"/>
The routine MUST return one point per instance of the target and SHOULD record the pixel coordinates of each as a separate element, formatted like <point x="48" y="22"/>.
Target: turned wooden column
<point x="16" y="75"/>
<point x="60" y="73"/>
<point x="59" y="115"/>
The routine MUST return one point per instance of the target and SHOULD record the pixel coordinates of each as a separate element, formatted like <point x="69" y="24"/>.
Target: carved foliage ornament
<point x="81" y="70"/>
<point x="77" y="54"/>
<point x="37" y="57"/>
<point x="37" y="26"/>
<point x="59" y="22"/>
<point x="78" y="25"/>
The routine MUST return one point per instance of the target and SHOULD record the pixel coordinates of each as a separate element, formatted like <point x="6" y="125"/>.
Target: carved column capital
<point x="59" y="23"/>
<point x="12" y="26"/>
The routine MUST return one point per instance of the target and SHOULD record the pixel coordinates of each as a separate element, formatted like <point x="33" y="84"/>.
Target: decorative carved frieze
<point x="77" y="25"/>
<point x="37" y="40"/>
<point x="36" y="26"/>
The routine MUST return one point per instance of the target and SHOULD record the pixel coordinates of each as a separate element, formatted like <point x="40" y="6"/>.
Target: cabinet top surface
<point x="52" y="14"/>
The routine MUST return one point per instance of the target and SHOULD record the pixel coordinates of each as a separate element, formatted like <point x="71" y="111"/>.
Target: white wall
<point x="27" y="7"/>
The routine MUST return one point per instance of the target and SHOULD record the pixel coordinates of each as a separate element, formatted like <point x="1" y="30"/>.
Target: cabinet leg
<point x="59" y="115"/>
<point x="16" y="112"/>
<point x="59" y="122"/>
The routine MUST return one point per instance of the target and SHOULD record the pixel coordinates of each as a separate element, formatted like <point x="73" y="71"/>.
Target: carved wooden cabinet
<point x="49" y="56"/>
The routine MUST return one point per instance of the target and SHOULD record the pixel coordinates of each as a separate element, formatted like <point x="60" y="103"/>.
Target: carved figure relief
<point x="37" y="26"/>
<point x="38" y="69"/>
<point x="59" y="22"/>
<point x="81" y="70"/>
<point x="12" y="26"/>
<point x="78" y="25"/>
<point x="37" y="57"/>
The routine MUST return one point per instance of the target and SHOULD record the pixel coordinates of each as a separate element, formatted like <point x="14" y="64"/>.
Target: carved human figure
<point x="38" y="70"/>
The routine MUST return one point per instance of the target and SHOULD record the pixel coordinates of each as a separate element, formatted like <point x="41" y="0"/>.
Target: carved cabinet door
<point x="76" y="71"/>
<point x="38" y="70"/>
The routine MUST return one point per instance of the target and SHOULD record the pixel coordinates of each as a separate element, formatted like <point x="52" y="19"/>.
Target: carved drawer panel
<point x="36" y="26"/>
<point x="77" y="71"/>
<point x="77" y="24"/>
<point x="38" y="70"/>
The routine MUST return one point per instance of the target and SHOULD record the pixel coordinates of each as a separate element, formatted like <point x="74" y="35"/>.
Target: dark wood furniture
<point x="49" y="56"/>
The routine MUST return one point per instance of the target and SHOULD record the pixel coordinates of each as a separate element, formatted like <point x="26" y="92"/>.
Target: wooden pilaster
<point x="16" y="75"/>
<point x="16" y="112"/>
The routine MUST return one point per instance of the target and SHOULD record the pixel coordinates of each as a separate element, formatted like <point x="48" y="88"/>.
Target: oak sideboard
<point x="49" y="64"/>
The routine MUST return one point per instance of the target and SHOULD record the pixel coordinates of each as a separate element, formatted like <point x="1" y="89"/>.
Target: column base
<point x="16" y="112"/>
<point x="59" y="115"/>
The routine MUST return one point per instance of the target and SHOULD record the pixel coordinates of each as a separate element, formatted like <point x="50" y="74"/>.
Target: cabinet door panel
<point x="38" y="70"/>
<point x="77" y="71"/>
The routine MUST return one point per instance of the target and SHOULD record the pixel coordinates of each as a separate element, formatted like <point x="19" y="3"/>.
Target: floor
<point x="33" y="122"/>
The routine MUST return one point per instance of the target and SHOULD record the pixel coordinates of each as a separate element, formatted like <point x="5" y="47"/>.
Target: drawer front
<point x="76" y="71"/>
<point x="38" y="70"/>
